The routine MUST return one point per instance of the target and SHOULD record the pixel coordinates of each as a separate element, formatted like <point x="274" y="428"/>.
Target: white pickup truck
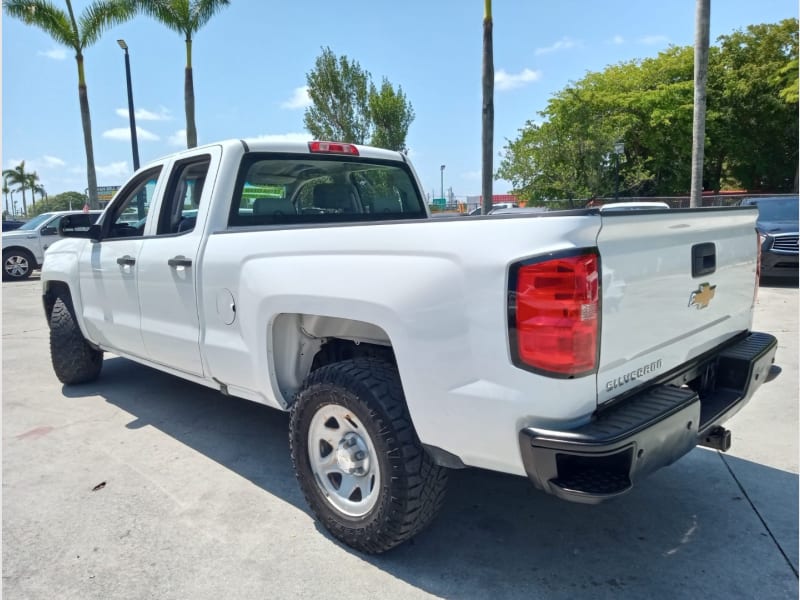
<point x="580" y="349"/>
<point x="23" y="248"/>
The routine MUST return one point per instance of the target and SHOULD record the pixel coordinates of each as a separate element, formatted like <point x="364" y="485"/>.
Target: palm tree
<point x="77" y="34"/>
<point x="487" y="136"/>
<point x="6" y="191"/>
<point x="702" y="20"/>
<point x="186" y="17"/>
<point x="32" y="181"/>
<point x="18" y="177"/>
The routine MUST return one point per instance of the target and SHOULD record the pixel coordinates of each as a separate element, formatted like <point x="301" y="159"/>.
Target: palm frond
<point x="102" y="14"/>
<point x="47" y="17"/>
<point x="174" y="14"/>
<point x="203" y="10"/>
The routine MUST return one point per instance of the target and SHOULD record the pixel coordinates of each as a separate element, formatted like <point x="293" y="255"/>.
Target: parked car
<point x="11" y="225"/>
<point x="23" y="248"/>
<point x="777" y="227"/>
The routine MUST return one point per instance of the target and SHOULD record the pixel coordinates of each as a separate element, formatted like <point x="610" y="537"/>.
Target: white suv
<point x="23" y="248"/>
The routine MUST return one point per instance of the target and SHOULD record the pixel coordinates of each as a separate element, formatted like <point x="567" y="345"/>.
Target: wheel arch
<point x="299" y="343"/>
<point x="56" y="288"/>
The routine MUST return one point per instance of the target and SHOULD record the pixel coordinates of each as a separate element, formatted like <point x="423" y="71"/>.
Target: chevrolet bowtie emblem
<point x="702" y="296"/>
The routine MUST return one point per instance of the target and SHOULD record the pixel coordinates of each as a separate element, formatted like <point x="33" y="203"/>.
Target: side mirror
<point x="79" y="226"/>
<point x="48" y="231"/>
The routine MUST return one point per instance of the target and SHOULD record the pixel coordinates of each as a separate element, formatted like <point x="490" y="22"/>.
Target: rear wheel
<point x="18" y="264"/>
<point x="357" y="458"/>
<point x="74" y="360"/>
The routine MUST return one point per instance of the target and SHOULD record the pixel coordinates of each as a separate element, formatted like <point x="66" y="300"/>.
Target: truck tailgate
<point x="675" y="284"/>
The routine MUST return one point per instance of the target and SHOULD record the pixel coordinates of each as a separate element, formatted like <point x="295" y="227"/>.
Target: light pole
<point x="619" y="148"/>
<point x="442" y="173"/>
<point x="132" y="118"/>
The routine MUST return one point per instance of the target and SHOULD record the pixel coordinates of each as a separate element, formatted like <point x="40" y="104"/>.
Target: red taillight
<point x="556" y="313"/>
<point x="333" y="148"/>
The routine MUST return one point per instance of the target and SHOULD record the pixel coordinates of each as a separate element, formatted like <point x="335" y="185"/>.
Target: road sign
<point x="106" y="192"/>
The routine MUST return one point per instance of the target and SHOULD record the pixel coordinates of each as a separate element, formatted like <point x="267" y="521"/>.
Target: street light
<point x="132" y="118"/>
<point x="442" y="173"/>
<point x="619" y="148"/>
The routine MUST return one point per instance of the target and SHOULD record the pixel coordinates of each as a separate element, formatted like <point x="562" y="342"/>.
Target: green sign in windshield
<point x="251" y="192"/>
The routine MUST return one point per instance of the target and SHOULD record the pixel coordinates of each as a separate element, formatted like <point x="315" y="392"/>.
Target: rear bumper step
<point x="649" y="430"/>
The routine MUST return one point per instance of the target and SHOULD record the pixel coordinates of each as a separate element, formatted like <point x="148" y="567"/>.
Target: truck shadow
<point x="498" y="537"/>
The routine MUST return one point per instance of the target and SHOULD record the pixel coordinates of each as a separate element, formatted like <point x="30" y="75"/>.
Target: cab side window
<point x="130" y="215"/>
<point x="182" y="198"/>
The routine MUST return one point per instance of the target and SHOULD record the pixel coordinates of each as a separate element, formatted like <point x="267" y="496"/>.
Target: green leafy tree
<point x="391" y="115"/>
<point x="750" y="128"/>
<point x="18" y="177"/>
<point x="757" y="122"/>
<point x="63" y="201"/>
<point x="186" y="17"/>
<point x="77" y="33"/>
<point x="339" y="92"/>
<point x="346" y="106"/>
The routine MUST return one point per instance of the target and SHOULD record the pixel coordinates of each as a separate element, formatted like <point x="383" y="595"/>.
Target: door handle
<point x="126" y="261"/>
<point x="179" y="261"/>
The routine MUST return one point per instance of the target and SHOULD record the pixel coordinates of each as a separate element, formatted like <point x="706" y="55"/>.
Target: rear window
<point x="283" y="189"/>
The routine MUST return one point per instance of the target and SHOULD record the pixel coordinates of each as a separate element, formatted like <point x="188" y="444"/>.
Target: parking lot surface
<point x="141" y="485"/>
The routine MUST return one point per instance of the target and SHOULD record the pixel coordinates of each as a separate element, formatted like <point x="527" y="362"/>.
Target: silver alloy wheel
<point x="16" y="265"/>
<point x="343" y="460"/>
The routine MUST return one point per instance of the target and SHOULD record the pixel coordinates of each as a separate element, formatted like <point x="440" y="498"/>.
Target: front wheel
<point x="357" y="458"/>
<point x="17" y="264"/>
<point x="74" y="360"/>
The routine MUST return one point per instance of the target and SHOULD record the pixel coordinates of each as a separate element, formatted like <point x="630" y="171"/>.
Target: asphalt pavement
<point x="141" y="485"/>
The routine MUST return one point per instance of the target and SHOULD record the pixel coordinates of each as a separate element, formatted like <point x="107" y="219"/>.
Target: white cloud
<point x="283" y="137"/>
<point x="36" y="164"/>
<point x="651" y="40"/>
<point x="53" y="161"/>
<point x="300" y="99"/>
<point x="178" y="138"/>
<point x="618" y="39"/>
<point x="124" y="134"/>
<point x="142" y="114"/>
<point x="509" y="81"/>
<point x="114" y="170"/>
<point x="54" y="53"/>
<point x="564" y="43"/>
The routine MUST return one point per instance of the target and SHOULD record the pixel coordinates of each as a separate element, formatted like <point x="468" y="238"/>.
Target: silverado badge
<point x="702" y="295"/>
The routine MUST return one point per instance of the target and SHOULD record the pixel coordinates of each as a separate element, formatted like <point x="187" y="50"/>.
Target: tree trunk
<point x="24" y="202"/>
<point x="487" y="136"/>
<point x="188" y="96"/>
<point x="702" y="21"/>
<point x="86" y="120"/>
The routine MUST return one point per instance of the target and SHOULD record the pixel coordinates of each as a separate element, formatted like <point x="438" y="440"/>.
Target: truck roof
<point x="261" y="145"/>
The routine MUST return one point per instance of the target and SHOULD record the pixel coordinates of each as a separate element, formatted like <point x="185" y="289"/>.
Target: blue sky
<point x="250" y="63"/>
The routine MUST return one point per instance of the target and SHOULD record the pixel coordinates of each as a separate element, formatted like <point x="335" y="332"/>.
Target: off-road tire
<point x="412" y="486"/>
<point x="22" y="265"/>
<point x="74" y="360"/>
